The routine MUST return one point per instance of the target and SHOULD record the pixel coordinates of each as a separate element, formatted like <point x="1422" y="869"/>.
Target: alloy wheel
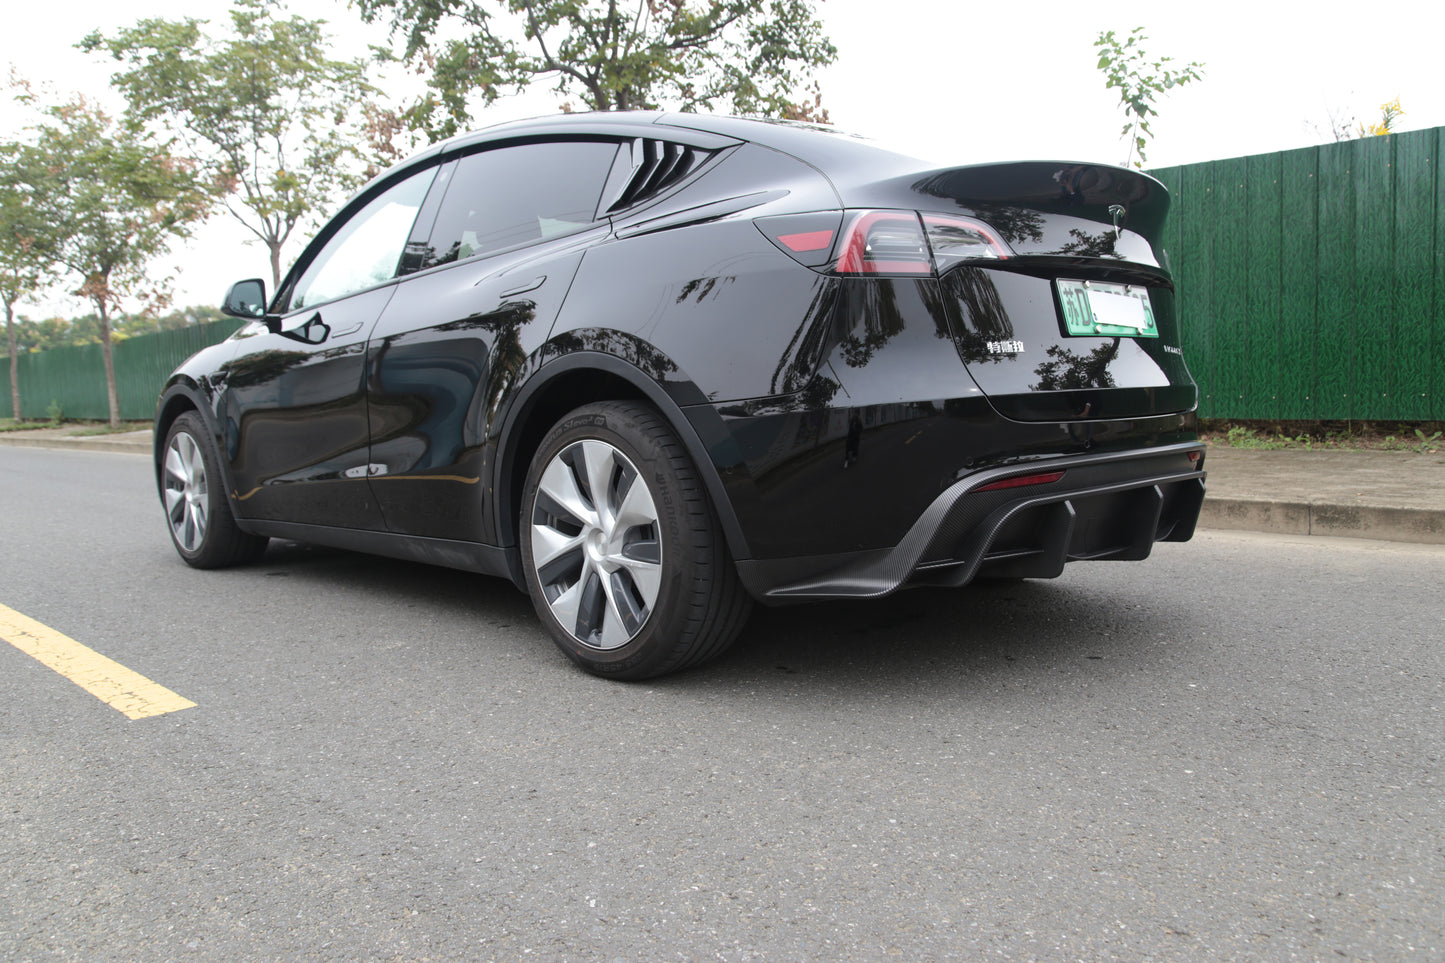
<point x="595" y="545"/>
<point x="186" y="492"/>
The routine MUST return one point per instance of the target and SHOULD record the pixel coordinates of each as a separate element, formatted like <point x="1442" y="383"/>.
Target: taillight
<point x="907" y="242"/>
<point x="883" y="242"/>
<point x="956" y="239"/>
<point x="806" y="238"/>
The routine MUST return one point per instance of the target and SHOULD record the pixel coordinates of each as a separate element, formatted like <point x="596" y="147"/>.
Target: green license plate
<point x="1106" y="310"/>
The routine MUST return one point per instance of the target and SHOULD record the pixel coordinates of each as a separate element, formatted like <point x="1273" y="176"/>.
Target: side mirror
<point x="246" y="300"/>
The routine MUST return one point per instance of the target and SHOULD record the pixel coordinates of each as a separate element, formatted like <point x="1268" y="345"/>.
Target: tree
<point x="266" y="111"/>
<point x="743" y="56"/>
<point x="25" y="263"/>
<point x="110" y="202"/>
<point x="1139" y="80"/>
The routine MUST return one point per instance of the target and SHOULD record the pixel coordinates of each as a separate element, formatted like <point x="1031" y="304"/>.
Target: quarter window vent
<point x="656" y="166"/>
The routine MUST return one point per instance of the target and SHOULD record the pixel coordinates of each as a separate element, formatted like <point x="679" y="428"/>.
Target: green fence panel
<point x="73" y="377"/>
<point x="1336" y="283"/>
<point x="1414" y="280"/>
<point x="1309" y="281"/>
<point x="1376" y="319"/>
<point x="1298" y="389"/>
<point x="1436" y="401"/>
<point x="1262" y="241"/>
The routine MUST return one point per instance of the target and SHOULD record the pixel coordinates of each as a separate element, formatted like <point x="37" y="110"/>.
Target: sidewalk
<point x="131" y="442"/>
<point x="1392" y="495"/>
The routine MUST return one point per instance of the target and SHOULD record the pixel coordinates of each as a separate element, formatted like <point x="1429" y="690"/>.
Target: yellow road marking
<point x="109" y="681"/>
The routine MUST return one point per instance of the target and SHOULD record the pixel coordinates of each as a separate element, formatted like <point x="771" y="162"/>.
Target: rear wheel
<point x="623" y="555"/>
<point x="197" y="513"/>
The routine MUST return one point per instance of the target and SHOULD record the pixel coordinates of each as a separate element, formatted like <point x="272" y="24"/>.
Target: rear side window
<point x="514" y="195"/>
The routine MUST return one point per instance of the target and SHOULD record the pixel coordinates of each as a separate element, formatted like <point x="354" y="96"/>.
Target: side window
<point x="511" y="195"/>
<point x="366" y="250"/>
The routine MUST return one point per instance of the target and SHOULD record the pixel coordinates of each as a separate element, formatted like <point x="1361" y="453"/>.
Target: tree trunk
<point x="275" y="247"/>
<point x="14" y="360"/>
<point x="111" y="394"/>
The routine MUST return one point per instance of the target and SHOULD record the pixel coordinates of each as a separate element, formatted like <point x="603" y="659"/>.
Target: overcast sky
<point x="950" y="80"/>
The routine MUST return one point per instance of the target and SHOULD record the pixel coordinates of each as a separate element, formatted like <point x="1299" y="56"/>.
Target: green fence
<point x="74" y="377"/>
<point x="1310" y="281"/>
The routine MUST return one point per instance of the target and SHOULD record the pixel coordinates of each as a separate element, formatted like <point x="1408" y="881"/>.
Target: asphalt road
<point x="1231" y="751"/>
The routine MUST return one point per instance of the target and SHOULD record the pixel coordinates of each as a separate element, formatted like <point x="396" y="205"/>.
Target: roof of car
<point x="816" y="144"/>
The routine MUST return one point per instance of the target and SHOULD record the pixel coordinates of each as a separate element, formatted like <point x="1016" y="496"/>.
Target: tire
<point x="198" y="515"/>
<point x="623" y="555"/>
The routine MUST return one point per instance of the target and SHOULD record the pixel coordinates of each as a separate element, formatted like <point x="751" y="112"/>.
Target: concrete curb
<point x="1418" y="525"/>
<point x="130" y="442"/>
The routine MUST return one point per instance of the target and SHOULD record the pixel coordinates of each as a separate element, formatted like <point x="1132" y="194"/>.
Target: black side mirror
<point x="246" y="300"/>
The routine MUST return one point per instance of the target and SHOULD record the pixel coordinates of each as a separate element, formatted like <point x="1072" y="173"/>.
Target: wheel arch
<point x="583" y="378"/>
<point x="178" y="398"/>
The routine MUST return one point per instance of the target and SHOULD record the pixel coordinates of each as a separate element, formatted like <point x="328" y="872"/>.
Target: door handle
<point x="524" y="287"/>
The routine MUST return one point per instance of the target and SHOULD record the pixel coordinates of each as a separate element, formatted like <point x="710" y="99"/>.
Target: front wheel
<point x="623" y="555"/>
<point x="197" y="512"/>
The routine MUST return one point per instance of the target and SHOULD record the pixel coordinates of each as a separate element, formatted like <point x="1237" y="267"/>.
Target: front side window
<point x="366" y="250"/>
<point x="508" y="196"/>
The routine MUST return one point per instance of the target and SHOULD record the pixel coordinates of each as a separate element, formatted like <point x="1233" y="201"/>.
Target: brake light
<point x="907" y="242"/>
<point x="884" y="242"/>
<point x="954" y="239"/>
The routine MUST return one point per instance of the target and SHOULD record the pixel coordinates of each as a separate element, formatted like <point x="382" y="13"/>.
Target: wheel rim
<point x="186" y="492"/>
<point x="595" y="546"/>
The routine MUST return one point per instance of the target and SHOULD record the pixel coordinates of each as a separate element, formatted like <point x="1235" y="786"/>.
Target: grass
<point x="79" y="429"/>
<point x="1418" y="437"/>
<point x="108" y="430"/>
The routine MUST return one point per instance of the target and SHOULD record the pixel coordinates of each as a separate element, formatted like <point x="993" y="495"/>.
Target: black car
<point x="656" y="367"/>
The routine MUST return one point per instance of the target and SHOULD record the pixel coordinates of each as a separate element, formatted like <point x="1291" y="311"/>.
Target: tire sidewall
<point x="663" y="635"/>
<point x="217" y="508"/>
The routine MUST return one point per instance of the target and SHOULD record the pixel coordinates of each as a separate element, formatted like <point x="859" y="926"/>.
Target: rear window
<point x="514" y="195"/>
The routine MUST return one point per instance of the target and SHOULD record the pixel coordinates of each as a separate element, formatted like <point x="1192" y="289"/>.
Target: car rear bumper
<point x="1104" y="506"/>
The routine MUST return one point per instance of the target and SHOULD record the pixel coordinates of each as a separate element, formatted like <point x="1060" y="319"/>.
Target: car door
<point x="294" y="399"/>
<point x="492" y="271"/>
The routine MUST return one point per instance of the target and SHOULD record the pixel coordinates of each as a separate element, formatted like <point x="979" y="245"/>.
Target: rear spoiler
<point x="1052" y="207"/>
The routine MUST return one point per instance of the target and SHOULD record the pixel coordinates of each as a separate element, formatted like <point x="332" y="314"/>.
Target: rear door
<point x="491" y="273"/>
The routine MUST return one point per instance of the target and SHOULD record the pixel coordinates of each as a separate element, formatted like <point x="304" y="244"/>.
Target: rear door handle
<point x="524" y="287"/>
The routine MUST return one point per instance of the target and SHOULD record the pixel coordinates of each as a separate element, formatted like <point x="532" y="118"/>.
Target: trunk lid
<point x="1079" y="324"/>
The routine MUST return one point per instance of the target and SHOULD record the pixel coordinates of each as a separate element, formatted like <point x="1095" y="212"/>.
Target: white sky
<point x="950" y="80"/>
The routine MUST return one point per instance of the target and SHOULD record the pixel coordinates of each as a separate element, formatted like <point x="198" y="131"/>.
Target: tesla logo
<point x="1117" y="212"/>
<point x="1005" y="347"/>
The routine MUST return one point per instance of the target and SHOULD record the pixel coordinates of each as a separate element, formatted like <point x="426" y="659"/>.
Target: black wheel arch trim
<point x="687" y="411"/>
<point x="193" y="396"/>
<point x="181" y="395"/>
